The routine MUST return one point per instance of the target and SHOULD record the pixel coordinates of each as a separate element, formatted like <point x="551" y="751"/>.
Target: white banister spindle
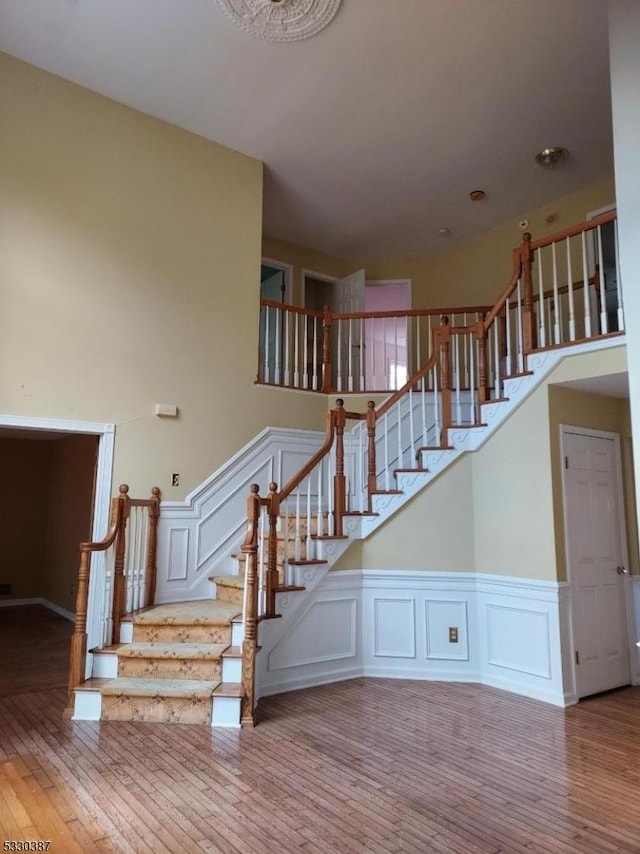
<point x="496" y="358"/>
<point x="456" y="374"/>
<point x="436" y="404"/>
<point x="320" y="516"/>
<point x="262" y="563"/>
<point x="385" y="363"/>
<point x="429" y="344"/>
<point x="285" y="541"/>
<point x="423" y="408"/>
<point x="556" y="298"/>
<point x="287" y="354"/>
<point x="339" y="359"/>
<point x="386" y="451"/>
<point x="472" y="380"/>
<point x="586" y="290"/>
<point x="418" y="363"/>
<point x="400" y="455"/>
<point x="604" y="323"/>
<point x="305" y="352"/>
<point x="572" y="317"/>
<point x="296" y="350"/>
<point x="349" y="463"/>
<point x="350" y="355"/>
<point x="542" y="329"/>
<point x="360" y="485"/>
<point x="396" y="360"/>
<point x="412" y="438"/>
<point x="361" y="355"/>
<point x="267" y="362"/>
<point x="277" y="343"/>
<point x="330" y="518"/>
<point x="297" y="543"/>
<point x="308" y="541"/>
<point x="620" y="307"/>
<point x="519" y="328"/>
<point x="373" y="353"/>
<point x="465" y="349"/>
<point x="508" y="336"/>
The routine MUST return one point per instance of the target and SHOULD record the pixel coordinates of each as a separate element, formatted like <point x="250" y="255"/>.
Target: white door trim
<point x="287" y="269"/>
<point x="600" y="211"/>
<point x="628" y="593"/>
<point x="101" y="505"/>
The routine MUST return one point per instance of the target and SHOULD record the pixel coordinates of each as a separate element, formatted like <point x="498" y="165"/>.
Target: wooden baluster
<point x="529" y="331"/>
<point x="250" y="642"/>
<point x="327" y="379"/>
<point x="119" y="581"/>
<point x="483" y="374"/>
<point x="339" y="480"/>
<point x="273" y="579"/>
<point x="445" y="379"/>
<point x="150" y="572"/>
<point x="372" y="483"/>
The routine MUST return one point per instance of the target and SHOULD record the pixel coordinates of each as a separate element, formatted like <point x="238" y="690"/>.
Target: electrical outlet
<point x="453" y="634"/>
<point x="175" y="480"/>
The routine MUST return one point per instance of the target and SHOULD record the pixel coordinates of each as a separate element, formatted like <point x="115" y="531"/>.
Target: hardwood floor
<point x="367" y="765"/>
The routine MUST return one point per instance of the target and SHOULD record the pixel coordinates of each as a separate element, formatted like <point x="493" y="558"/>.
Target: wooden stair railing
<point x="132" y="582"/>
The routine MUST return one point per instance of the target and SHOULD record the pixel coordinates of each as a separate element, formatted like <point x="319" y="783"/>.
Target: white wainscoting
<point x="396" y="625"/>
<point x="197" y="536"/>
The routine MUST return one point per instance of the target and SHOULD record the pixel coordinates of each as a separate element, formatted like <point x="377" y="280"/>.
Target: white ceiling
<point x="373" y="132"/>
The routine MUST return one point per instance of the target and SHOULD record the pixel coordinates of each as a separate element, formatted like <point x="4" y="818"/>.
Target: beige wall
<point x="581" y="409"/>
<point x="69" y="513"/>
<point x="25" y="465"/>
<point x="129" y="272"/>
<point x="476" y="271"/>
<point x="302" y="258"/>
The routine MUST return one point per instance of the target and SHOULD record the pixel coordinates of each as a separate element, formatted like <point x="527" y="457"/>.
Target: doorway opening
<point x="60" y="493"/>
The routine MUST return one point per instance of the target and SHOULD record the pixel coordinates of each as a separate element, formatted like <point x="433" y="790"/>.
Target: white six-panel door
<point x="594" y="531"/>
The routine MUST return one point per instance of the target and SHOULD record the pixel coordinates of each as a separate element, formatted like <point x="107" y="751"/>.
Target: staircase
<point x="194" y="662"/>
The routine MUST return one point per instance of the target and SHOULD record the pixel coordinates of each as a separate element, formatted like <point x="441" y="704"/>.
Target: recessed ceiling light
<point x="444" y="232"/>
<point x="477" y="195"/>
<point x="551" y="157"/>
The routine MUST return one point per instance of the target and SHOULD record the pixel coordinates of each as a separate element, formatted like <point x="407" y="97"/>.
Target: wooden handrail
<point x="322" y="452"/>
<point x="294" y="309"/>
<point x="116" y="535"/>
<point x="506" y="293"/>
<point x="411" y="312"/>
<point x="574" y="230"/>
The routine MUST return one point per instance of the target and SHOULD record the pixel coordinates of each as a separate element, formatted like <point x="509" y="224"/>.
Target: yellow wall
<point x="581" y="409"/>
<point x="476" y="271"/>
<point x="302" y="258"/>
<point x="129" y="272"/>
<point x="69" y="511"/>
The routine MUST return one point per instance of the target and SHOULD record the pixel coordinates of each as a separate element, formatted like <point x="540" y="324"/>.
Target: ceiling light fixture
<point x="551" y="157"/>
<point x="444" y="232"/>
<point x="280" y="20"/>
<point x="477" y="195"/>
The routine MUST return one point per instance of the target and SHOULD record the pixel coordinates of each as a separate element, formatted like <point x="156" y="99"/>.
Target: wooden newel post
<point x="152" y="548"/>
<point x="444" y="337"/>
<point x="250" y="642"/>
<point x="339" y="480"/>
<point x="327" y="379"/>
<point x="529" y="342"/>
<point x="78" y="652"/>
<point x="372" y="481"/>
<point x="119" y="588"/>
<point x="483" y="374"/>
<point x="272" y="581"/>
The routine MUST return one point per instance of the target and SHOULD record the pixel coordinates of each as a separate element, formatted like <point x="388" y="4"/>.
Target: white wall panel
<point x="440" y="616"/>
<point x="394" y="628"/>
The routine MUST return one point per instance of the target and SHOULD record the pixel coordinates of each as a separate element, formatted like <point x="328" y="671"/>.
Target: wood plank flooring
<point x="361" y="766"/>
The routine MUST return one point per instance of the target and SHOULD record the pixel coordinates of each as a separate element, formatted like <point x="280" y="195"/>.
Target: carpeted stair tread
<point x="154" y="649"/>
<point x="201" y="612"/>
<point x="236" y="581"/>
<point x="176" y="688"/>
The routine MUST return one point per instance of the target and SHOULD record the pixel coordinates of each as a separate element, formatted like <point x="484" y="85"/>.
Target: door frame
<point x="630" y="621"/>
<point x="101" y="503"/>
<point x="323" y="277"/>
<point x="287" y="269"/>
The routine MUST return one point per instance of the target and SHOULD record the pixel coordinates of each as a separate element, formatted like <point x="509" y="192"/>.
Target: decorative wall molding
<point x="509" y="632"/>
<point x="197" y="536"/>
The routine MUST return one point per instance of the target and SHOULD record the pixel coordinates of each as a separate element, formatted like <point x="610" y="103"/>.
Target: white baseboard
<point x="395" y="625"/>
<point x="38" y="600"/>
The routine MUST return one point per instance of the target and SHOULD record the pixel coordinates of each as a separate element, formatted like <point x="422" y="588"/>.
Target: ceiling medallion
<point x="281" y="20"/>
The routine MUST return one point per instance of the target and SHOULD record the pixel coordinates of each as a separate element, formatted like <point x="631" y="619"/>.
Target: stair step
<point x="157" y="700"/>
<point x="289" y="588"/>
<point x="228" y="689"/>
<point x="202" y="662"/>
<point x="517" y="376"/>
<point x="199" y="621"/>
<point x="364" y="512"/>
<point x="436" y="448"/>
<point x="386" y="491"/>
<point x="314" y="562"/>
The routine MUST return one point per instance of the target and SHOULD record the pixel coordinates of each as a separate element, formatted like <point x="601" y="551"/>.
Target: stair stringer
<point x="436" y="461"/>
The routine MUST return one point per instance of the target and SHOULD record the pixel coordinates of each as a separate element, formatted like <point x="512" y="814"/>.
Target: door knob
<point x="621" y="570"/>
